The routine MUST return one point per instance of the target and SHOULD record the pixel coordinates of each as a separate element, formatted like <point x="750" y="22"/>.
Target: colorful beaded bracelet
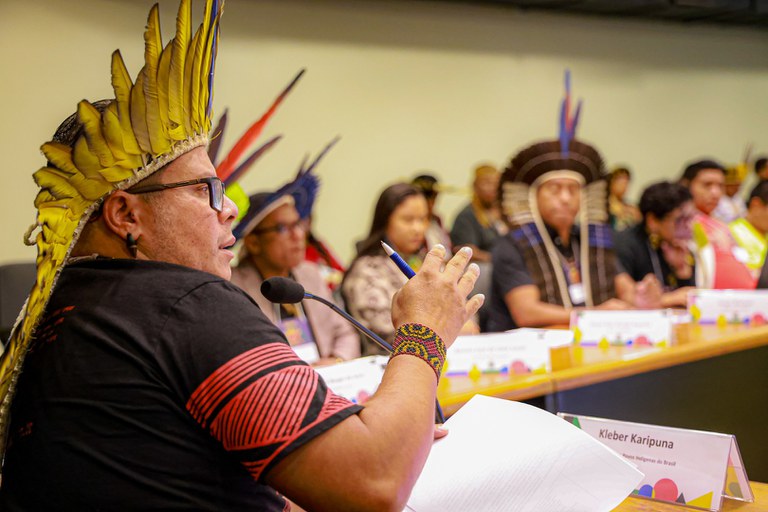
<point x="420" y="341"/>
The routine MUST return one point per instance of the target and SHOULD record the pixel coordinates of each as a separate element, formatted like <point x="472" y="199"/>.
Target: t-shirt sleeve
<point x="465" y="229"/>
<point x="241" y="381"/>
<point x="509" y="268"/>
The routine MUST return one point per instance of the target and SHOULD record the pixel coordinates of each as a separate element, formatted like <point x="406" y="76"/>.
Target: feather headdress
<point x="530" y="168"/>
<point x="164" y="114"/>
<point x="302" y="191"/>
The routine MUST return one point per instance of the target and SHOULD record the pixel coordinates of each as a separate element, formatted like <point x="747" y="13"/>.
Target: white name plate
<point x="357" y="379"/>
<point x="637" y="328"/>
<point x="513" y="352"/>
<point x="688" y="467"/>
<point x="724" y="307"/>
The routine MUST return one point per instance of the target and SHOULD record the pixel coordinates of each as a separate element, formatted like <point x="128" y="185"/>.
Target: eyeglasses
<point x="282" y="229"/>
<point x="215" y="189"/>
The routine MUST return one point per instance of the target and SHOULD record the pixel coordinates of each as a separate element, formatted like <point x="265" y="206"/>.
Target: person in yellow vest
<point x="750" y="231"/>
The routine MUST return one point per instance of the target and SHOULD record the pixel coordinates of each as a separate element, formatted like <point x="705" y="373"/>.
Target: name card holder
<point x="621" y="328"/>
<point x="355" y="380"/>
<point x="724" y="307"/>
<point x="685" y="467"/>
<point x="518" y="351"/>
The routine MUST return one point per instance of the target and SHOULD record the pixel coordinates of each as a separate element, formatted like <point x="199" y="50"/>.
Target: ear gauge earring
<point x="655" y="240"/>
<point x="133" y="247"/>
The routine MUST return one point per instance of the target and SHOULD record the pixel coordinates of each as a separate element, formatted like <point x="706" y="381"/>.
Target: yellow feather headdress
<point x="165" y="113"/>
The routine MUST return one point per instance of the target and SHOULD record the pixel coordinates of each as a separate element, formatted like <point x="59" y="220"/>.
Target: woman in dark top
<point x="658" y="245"/>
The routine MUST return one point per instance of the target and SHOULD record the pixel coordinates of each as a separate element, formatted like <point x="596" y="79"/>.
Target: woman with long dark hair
<point x="400" y="219"/>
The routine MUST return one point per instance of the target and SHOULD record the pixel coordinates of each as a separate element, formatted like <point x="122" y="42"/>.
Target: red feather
<point x="227" y="166"/>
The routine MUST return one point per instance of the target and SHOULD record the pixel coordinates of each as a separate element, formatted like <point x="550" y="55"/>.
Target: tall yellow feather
<point x="189" y="81"/>
<point x="208" y="56"/>
<point x="139" y="114"/>
<point x="163" y="86"/>
<point x="177" y="74"/>
<point x="121" y="83"/>
<point x="91" y="121"/>
<point x="153" y="46"/>
<point x="197" y="66"/>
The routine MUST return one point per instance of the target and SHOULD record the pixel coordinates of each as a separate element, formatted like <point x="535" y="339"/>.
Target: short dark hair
<point x="661" y="198"/>
<point x="693" y="170"/>
<point x="760" y="164"/>
<point x="760" y="191"/>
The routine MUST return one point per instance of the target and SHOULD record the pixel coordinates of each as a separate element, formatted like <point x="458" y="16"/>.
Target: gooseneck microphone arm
<point x="281" y="290"/>
<point x="360" y="327"/>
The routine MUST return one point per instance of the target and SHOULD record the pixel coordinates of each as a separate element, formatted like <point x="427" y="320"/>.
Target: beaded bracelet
<point x="420" y="341"/>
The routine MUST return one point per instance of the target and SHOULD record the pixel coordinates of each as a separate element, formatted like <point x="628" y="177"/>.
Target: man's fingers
<point x="434" y="259"/>
<point x="454" y="269"/>
<point x="473" y="305"/>
<point x="468" y="280"/>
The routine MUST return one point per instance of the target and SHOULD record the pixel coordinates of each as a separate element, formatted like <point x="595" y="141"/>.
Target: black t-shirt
<point x="467" y="230"/>
<point x="152" y="386"/>
<point x="509" y="272"/>
<point x="639" y="259"/>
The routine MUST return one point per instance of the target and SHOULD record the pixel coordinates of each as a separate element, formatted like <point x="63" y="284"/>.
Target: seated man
<point x="479" y="224"/>
<point x="149" y="381"/>
<point x="559" y="252"/>
<point x="273" y="239"/>
<point x="721" y="263"/>
<point x="750" y="232"/>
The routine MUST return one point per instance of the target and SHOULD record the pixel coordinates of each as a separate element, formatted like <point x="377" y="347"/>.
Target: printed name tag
<point x="516" y="351"/>
<point x="687" y="467"/>
<point x="355" y="380"/>
<point x="604" y="328"/>
<point x="723" y="307"/>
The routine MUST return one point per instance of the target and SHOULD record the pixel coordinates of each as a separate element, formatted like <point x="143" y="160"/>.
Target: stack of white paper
<point x="502" y="455"/>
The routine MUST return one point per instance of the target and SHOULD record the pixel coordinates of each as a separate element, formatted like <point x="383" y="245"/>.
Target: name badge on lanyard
<point x="576" y="291"/>
<point x="299" y="335"/>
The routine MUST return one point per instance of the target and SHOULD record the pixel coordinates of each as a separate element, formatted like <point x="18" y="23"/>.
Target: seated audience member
<point x="479" y="224"/>
<point x="559" y="252"/>
<point x="139" y="378"/>
<point x="620" y="213"/>
<point x="721" y="263"/>
<point x="273" y="245"/>
<point x="400" y="219"/>
<point x="436" y="233"/>
<point x="750" y="231"/>
<point x="731" y="205"/>
<point x="659" y="244"/>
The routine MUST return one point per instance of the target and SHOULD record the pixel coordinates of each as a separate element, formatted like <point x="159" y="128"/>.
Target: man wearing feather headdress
<point x="149" y="381"/>
<point x="558" y="253"/>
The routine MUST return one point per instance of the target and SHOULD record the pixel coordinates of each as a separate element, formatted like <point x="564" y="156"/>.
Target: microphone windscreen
<point x="282" y="290"/>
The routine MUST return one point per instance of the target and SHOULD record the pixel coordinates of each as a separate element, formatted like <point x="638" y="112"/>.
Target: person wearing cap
<point x="137" y="377"/>
<point x="622" y="215"/>
<point x="273" y="245"/>
<point x="436" y="233"/>
<point x="731" y="205"/>
<point x="479" y="224"/>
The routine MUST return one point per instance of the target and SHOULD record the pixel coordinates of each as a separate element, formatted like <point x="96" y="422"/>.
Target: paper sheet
<point x="503" y="455"/>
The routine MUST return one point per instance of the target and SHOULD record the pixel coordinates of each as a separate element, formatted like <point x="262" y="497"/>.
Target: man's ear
<point x="125" y="213"/>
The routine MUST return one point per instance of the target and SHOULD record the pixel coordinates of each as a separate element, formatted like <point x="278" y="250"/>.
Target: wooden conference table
<point x="711" y="378"/>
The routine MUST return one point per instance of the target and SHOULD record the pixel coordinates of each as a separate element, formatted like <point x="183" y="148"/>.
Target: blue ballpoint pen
<point x="409" y="273"/>
<point x="399" y="261"/>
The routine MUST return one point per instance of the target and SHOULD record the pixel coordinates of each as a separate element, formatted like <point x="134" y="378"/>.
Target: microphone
<point x="282" y="290"/>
